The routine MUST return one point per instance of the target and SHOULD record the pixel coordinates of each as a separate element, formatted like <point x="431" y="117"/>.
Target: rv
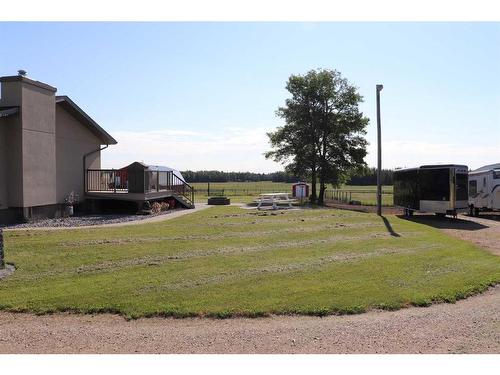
<point x="484" y="189"/>
<point x="440" y="189"/>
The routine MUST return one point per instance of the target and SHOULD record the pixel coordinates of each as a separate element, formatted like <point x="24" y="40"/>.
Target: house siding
<point x="73" y="141"/>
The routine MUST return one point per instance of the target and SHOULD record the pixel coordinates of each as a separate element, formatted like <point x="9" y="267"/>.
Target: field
<point x="227" y="261"/>
<point x="248" y="191"/>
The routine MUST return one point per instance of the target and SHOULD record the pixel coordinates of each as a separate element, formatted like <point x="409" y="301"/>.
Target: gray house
<point x="48" y="149"/>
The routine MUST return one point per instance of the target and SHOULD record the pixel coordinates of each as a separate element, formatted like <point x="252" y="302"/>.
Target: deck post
<point x="113" y="174"/>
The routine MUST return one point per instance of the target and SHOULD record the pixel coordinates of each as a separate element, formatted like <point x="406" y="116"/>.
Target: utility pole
<point x="379" y="155"/>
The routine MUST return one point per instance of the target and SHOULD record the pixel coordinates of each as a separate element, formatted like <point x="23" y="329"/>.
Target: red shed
<point x="300" y="190"/>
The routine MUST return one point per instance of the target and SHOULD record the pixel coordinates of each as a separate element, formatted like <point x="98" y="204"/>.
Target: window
<point x="472" y="188"/>
<point x="496" y="174"/>
<point x="484" y="182"/>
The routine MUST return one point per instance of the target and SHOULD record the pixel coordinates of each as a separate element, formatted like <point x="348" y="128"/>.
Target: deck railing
<point x="106" y="180"/>
<point x="116" y="181"/>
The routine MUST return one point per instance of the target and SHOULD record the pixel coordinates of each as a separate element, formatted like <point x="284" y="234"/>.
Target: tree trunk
<point x="313" y="196"/>
<point x="322" y="188"/>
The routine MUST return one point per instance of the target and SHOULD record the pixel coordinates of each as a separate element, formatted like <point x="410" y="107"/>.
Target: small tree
<point x="322" y="138"/>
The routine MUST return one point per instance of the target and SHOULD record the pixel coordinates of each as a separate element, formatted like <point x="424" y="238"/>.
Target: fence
<point x="364" y="197"/>
<point x="238" y="192"/>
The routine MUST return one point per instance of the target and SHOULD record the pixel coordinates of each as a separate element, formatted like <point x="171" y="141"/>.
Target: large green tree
<point x="323" y="136"/>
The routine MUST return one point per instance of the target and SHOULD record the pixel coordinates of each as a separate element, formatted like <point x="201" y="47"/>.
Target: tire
<point x="476" y="211"/>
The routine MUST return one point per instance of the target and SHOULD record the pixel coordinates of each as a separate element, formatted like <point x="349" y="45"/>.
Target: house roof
<point x="78" y="113"/>
<point x="8" y="111"/>
<point x="160" y="168"/>
<point x="486" y="168"/>
<point x="27" y="80"/>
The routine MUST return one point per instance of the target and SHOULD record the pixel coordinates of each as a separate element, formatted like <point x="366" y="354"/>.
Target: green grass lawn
<point x="246" y="192"/>
<point x="227" y="261"/>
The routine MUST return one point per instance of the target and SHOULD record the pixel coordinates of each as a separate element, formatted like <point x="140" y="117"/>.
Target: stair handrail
<point x="175" y="178"/>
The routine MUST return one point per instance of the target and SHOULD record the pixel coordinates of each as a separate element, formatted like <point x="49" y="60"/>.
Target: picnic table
<point x="274" y="199"/>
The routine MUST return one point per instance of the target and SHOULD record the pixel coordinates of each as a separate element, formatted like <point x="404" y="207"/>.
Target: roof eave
<point x="102" y="134"/>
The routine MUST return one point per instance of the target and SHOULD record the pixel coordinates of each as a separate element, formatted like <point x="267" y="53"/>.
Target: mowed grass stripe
<point x="228" y="261"/>
<point x="293" y="247"/>
<point x="113" y="248"/>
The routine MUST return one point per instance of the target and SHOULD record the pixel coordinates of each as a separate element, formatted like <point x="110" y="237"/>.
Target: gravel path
<point x="469" y="326"/>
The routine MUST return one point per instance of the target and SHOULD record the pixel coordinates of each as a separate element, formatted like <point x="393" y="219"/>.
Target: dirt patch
<point x="7" y="270"/>
<point x="386" y="210"/>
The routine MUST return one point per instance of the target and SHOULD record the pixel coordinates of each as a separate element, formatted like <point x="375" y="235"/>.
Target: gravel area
<point x="89" y="221"/>
<point x="469" y="326"/>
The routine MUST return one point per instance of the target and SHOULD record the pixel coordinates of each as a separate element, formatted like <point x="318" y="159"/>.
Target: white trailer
<point x="484" y="189"/>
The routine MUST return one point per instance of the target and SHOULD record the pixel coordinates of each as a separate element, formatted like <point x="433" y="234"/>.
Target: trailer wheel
<point x="471" y="210"/>
<point x="476" y="211"/>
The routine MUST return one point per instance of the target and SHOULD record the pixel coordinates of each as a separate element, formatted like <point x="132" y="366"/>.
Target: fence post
<point x="2" y="263"/>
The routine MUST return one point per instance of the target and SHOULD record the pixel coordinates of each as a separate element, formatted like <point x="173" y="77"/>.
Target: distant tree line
<point x="220" y="176"/>
<point x="363" y="177"/>
<point x="368" y="176"/>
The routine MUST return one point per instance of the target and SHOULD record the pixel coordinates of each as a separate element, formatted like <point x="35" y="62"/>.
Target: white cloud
<point x="241" y="149"/>
<point x="230" y="149"/>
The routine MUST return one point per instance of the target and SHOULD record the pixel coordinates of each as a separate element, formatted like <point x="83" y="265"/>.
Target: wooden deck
<point x="137" y="186"/>
<point x="124" y="195"/>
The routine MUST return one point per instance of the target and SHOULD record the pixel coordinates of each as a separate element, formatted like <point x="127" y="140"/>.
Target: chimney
<point x="32" y="147"/>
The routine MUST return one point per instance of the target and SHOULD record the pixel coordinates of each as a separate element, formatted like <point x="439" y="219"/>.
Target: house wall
<point x="73" y="141"/>
<point x="39" y="146"/>
<point x="31" y="144"/>
<point x="3" y="164"/>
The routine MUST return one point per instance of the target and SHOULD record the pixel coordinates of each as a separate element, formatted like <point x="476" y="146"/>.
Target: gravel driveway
<point x="469" y="326"/>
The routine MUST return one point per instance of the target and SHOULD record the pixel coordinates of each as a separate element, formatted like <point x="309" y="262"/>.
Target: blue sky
<point x="203" y="95"/>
